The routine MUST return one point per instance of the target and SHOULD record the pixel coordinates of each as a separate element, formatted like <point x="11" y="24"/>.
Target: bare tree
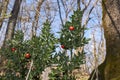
<point x="68" y="7"/>
<point x="3" y="9"/>
<point x="12" y="20"/>
<point x="37" y="14"/>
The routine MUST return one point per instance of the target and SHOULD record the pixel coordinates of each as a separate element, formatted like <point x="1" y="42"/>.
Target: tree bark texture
<point x="111" y="25"/>
<point x="110" y="68"/>
<point x="12" y="20"/>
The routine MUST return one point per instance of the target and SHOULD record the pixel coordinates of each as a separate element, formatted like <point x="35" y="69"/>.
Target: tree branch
<point x="29" y="70"/>
<point x="60" y="12"/>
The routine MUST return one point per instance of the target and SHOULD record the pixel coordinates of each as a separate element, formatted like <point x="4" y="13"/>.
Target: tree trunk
<point x="110" y="68"/>
<point x="1" y="6"/>
<point x="11" y="25"/>
<point x="3" y="10"/>
<point x="12" y="20"/>
<point x="111" y="24"/>
<point x="37" y="14"/>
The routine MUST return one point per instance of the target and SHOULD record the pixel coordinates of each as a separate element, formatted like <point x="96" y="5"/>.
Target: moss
<point x="116" y="78"/>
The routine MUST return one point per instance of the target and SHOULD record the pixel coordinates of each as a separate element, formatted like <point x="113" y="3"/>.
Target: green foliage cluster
<point x="71" y="40"/>
<point x="41" y="50"/>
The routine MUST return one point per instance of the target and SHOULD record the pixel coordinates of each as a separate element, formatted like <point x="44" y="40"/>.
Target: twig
<point x="29" y="70"/>
<point x="93" y="75"/>
<point x="86" y="5"/>
<point x="87" y="19"/>
<point x="60" y="12"/>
